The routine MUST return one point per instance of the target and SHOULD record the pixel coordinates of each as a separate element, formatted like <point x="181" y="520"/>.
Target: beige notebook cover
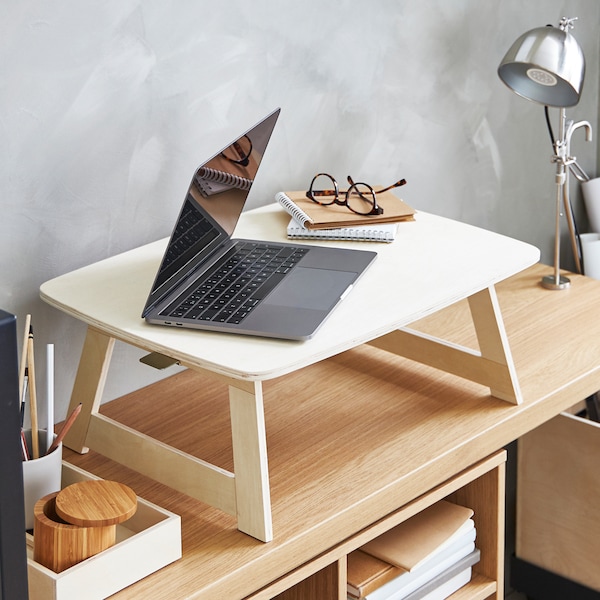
<point x="411" y="543"/>
<point x="315" y="216"/>
<point x="367" y="573"/>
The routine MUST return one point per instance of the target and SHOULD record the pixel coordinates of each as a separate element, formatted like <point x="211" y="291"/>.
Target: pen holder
<point x="591" y="199"/>
<point x="590" y="248"/>
<point x="41" y="476"/>
<point x="79" y="521"/>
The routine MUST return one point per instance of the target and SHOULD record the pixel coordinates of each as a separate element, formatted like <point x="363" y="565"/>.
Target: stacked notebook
<point x="310" y="220"/>
<point x="427" y="557"/>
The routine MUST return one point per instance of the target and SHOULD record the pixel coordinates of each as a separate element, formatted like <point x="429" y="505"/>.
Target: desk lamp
<point x="546" y="65"/>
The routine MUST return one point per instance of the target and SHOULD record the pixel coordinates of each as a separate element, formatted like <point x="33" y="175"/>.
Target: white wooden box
<point x="148" y="541"/>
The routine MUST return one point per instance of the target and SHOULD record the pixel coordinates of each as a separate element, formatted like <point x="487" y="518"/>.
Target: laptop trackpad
<point x="318" y="289"/>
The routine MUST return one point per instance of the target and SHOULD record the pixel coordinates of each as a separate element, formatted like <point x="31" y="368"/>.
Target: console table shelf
<point x="338" y="477"/>
<point x="383" y="439"/>
<point x="337" y="437"/>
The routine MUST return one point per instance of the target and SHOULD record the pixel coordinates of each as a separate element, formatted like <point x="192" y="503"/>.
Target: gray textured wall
<point x="106" y="108"/>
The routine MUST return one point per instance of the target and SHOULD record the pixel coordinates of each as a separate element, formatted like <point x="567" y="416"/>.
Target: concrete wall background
<point x="107" y="107"/>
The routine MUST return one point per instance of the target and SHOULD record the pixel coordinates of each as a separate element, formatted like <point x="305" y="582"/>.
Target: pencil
<point x="65" y="428"/>
<point x="24" y="449"/>
<point x="35" y="443"/>
<point x="23" y="363"/>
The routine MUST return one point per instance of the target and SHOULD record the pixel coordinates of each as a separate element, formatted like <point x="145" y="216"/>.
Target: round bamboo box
<point x="79" y="521"/>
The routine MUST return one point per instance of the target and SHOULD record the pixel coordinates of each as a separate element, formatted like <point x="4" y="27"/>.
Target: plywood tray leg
<point x="250" y="462"/>
<point x="492" y="366"/>
<point x="89" y="385"/>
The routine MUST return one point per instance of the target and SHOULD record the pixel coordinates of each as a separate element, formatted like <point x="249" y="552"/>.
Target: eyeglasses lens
<point x="361" y="198"/>
<point x="323" y="189"/>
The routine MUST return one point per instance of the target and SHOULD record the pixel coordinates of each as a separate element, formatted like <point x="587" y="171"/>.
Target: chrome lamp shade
<point x="545" y="65"/>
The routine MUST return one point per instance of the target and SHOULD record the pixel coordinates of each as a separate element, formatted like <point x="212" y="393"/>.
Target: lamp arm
<point x="571" y="127"/>
<point x="579" y="173"/>
<point x="575" y="168"/>
<point x="565" y="164"/>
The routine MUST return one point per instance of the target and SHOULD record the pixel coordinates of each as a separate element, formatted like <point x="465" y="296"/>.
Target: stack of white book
<point x="427" y="557"/>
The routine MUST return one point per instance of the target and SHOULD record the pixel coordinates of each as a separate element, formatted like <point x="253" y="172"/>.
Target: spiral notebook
<point x="315" y="216"/>
<point x="383" y="232"/>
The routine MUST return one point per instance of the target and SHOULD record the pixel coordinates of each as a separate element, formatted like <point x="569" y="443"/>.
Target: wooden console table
<point x="386" y="438"/>
<point x="434" y="263"/>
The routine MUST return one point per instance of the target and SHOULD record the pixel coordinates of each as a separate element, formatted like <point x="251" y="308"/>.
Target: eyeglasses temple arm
<point x="395" y="185"/>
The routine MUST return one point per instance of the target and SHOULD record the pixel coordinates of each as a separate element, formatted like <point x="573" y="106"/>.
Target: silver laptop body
<point x="209" y="281"/>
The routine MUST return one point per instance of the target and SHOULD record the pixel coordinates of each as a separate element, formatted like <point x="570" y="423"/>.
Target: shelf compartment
<point x="481" y="487"/>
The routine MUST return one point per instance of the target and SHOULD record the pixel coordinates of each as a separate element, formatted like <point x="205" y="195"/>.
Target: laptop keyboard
<point x="234" y="289"/>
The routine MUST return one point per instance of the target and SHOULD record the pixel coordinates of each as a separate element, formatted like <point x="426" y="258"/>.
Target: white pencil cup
<point x="590" y="248"/>
<point x="591" y="198"/>
<point x="41" y="476"/>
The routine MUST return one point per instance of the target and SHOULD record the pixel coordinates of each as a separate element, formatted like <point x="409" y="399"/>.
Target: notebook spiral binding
<point x="293" y="209"/>
<point x="223" y="178"/>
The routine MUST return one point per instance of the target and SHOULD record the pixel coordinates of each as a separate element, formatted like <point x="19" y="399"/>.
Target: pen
<point x="24" y="395"/>
<point x="49" y="394"/>
<point x="35" y="446"/>
<point x="65" y="428"/>
<point x="22" y="365"/>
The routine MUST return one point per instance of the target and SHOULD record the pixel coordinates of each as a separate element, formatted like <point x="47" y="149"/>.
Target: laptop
<point x="209" y="281"/>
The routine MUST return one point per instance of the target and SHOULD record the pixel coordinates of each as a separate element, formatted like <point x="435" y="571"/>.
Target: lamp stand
<point x="556" y="281"/>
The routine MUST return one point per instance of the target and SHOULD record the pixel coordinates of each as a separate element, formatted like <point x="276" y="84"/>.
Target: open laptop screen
<point x="213" y="203"/>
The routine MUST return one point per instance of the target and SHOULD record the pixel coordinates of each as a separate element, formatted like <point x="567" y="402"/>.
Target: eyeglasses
<point x="360" y="198"/>
<point x="239" y="152"/>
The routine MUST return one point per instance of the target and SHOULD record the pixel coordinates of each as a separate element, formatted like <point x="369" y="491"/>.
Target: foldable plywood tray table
<point x="434" y="263"/>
